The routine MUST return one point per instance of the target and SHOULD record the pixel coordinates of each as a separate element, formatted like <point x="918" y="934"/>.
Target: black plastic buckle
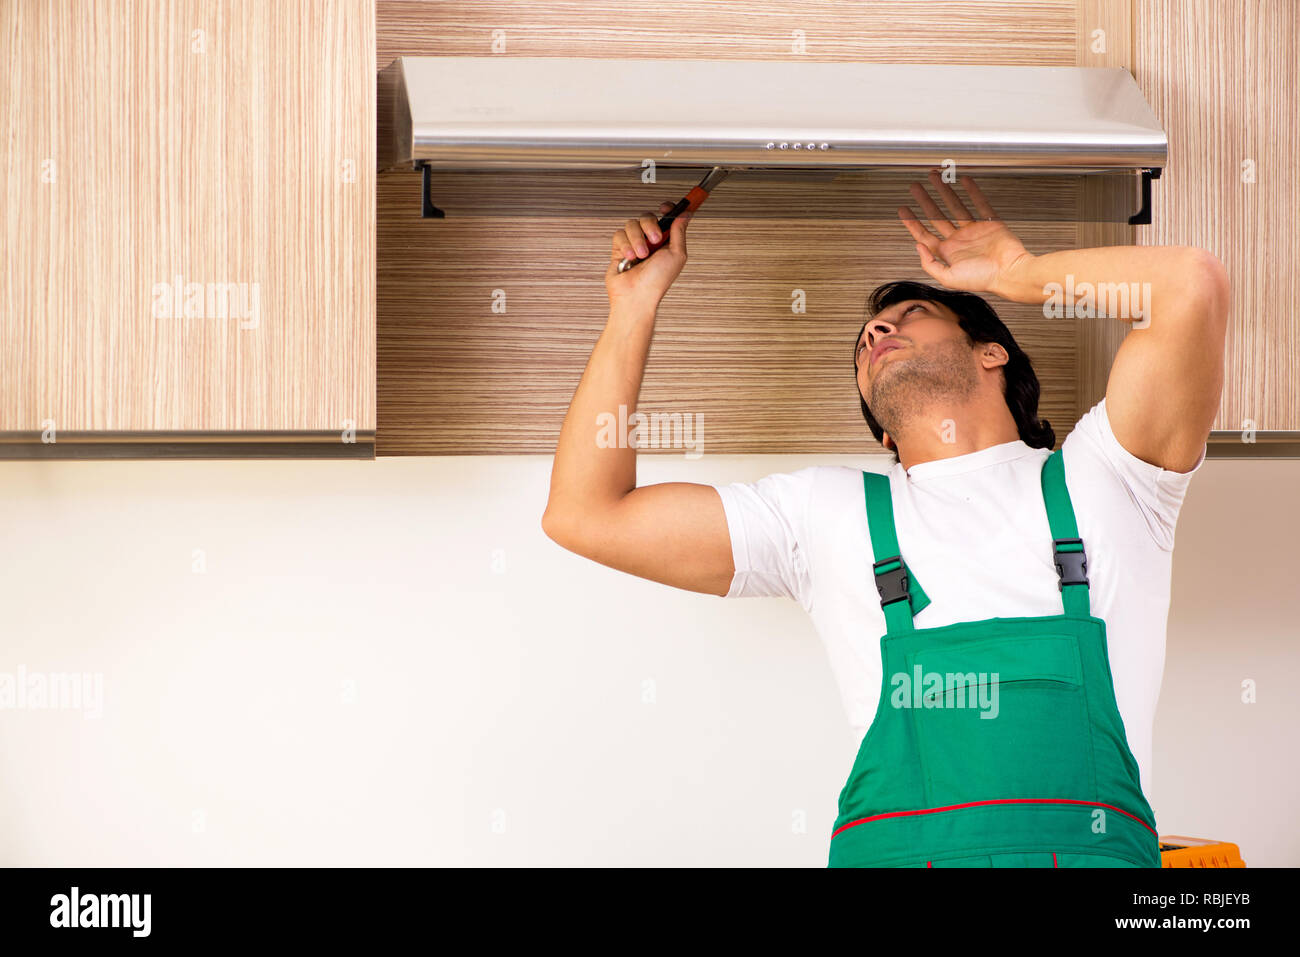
<point x="892" y="584"/>
<point x="1071" y="567"/>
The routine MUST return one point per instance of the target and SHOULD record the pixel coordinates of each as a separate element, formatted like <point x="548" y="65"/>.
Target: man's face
<point x="924" y="355"/>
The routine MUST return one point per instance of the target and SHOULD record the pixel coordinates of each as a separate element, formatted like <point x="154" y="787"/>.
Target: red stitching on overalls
<point x="954" y="807"/>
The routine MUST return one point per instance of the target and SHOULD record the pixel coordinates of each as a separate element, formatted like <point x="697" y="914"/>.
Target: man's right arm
<point x="673" y="532"/>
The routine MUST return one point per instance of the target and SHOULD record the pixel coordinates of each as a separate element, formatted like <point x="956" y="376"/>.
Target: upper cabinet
<point x="188" y="228"/>
<point x="487" y="316"/>
<point x="1224" y="78"/>
<point x="191" y="261"/>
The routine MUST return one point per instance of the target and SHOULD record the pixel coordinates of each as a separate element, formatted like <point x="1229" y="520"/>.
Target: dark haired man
<point x="994" y="611"/>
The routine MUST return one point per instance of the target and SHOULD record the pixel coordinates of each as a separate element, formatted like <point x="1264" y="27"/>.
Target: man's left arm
<point x="1167" y="378"/>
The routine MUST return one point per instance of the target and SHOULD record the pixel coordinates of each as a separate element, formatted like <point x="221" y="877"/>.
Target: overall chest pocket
<point x="1000" y="717"/>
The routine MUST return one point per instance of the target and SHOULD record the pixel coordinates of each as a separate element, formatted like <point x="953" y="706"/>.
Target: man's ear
<point x="997" y="352"/>
<point x="887" y="442"/>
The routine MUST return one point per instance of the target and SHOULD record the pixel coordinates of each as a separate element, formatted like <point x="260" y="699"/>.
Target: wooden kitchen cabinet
<point x="232" y="144"/>
<point x="485" y="325"/>
<point x="1224" y="78"/>
<point x="219" y="149"/>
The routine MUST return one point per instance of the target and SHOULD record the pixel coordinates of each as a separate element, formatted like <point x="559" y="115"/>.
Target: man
<point x="994" y="611"/>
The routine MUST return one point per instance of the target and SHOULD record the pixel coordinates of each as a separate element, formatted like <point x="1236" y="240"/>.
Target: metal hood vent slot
<point x="862" y="128"/>
<point x="787" y="195"/>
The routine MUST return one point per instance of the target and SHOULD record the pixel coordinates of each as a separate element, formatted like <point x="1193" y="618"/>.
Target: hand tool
<point x="688" y="203"/>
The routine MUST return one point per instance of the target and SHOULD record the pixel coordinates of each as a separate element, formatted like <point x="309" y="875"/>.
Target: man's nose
<point x="878" y="329"/>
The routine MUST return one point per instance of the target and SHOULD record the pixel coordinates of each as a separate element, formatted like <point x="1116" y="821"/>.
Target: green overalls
<point x="996" y="743"/>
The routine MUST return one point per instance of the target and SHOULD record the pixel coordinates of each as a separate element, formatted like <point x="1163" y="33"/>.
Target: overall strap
<point x="1068" y="554"/>
<point x="901" y="595"/>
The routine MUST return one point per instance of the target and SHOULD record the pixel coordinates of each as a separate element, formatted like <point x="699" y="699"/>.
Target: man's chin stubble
<point x="919" y="383"/>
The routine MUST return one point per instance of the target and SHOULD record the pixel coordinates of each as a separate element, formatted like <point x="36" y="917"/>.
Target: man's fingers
<point x="677" y="233"/>
<point x="919" y="232"/>
<point x="635" y="238"/>
<point x="622" y="246"/>
<point x="977" y="197"/>
<point x="961" y="215"/>
<point x="938" y="221"/>
<point x="933" y="268"/>
<point x="632" y="241"/>
<point x="650" y="226"/>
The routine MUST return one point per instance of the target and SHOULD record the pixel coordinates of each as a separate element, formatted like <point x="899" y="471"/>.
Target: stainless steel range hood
<point x="551" y="114"/>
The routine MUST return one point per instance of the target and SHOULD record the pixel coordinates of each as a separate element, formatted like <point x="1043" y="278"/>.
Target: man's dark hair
<point x="981" y="324"/>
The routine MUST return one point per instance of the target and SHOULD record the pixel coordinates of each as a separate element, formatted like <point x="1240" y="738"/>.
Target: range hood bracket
<point x="1143" y="216"/>
<point x="427" y="209"/>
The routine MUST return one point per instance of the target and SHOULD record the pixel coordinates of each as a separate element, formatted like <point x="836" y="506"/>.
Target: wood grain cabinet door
<point x="188" y="227"/>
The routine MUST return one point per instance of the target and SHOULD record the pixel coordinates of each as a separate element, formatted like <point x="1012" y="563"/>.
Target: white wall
<point x="380" y="655"/>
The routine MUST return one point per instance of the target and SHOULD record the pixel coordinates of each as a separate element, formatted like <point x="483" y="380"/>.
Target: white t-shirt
<point x="974" y="530"/>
